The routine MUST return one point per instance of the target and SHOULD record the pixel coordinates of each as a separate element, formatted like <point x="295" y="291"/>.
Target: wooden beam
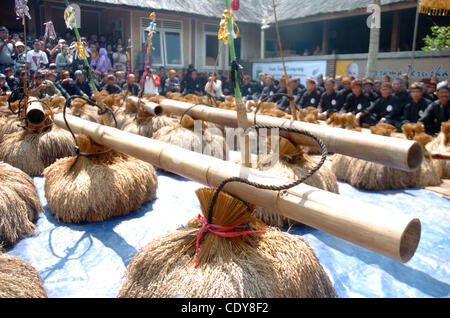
<point x="395" y="31"/>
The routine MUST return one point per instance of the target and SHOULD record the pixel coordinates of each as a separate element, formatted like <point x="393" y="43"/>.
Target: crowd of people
<point x="55" y="70"/>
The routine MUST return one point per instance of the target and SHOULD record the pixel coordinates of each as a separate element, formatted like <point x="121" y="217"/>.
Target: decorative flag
<point x="235" y="5"/>
<point x="49" y="31"/>
<point x="69" y="18"/>
<point x="22" y="9"/>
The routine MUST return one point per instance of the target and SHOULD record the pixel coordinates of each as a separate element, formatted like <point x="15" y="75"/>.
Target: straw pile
<point x="18" y="279"/>
<point x="293" y="163"/>
<point x="142" y="124"/>
<point x="442" y="144"/>
<point x="33" y="152"/>
<point x="343" y="121"/>
<point x="19" y="205"/>
<point x="372" y="176"/>
<point x="98" y="188"/>
<point x="260" y="265"/>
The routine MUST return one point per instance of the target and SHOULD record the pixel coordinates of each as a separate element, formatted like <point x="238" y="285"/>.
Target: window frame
<point x="162" y="38"/>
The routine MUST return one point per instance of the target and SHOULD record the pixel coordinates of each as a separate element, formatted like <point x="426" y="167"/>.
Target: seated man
<point x="68" y="84"/>
<point x="83" y="85"/>
<point x="248" y="89"/>
<point x="386" y="109"/>
<point x="172" y="82"/>
<point x="111" y="87"/>
<point x="311" y="97"/>
<point x="131" y="86"/>
<point x="438" y="111"/>
<point x="415" y="109"/>
<point x="357" y="101"/>
<point x="328" y="100"/>
<point x="269" y="88"/>
<point x="44" y="88"/>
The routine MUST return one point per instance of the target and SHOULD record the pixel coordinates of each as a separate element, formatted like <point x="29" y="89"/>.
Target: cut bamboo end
<point x="415" y="156"/>
<point x="35" y="112"/>
<point x="410" y="240"/>
<point x="150" y="107"/>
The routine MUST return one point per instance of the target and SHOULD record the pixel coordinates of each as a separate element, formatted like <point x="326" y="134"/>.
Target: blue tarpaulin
<point x="89" y="260"/>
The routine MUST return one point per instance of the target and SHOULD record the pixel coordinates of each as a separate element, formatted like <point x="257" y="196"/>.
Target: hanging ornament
<point x="235" y="5"/>
<point x="49" y="31"/>
<point x="22" y="9"/>
<point x="223" y="27"/>
<point x="69" y="18"/>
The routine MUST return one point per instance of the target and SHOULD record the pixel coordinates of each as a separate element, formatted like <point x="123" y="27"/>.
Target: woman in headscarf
<point x="101" y="64"/>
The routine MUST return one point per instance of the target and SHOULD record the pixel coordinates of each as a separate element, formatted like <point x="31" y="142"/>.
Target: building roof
<point x="251" y="11"/>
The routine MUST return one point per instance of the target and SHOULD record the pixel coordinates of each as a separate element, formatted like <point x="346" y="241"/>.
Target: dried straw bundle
<point x="33" y="152"/>
<point x="343" y="121"/>
<point x="372" y="176"/>
<point x="207" y="142"/>
<point x="80" y="108"/>
<point x="293" y="163"/>
<point x="141" y="124"/>
<point x="442" y="144"/>
<point x="19" y="204"/>
<point x="309" y="115"/>
<point x="9" y="125"/>
<point x="164" y="121"/>
<point x="273" y="264"/>
<point x="18" y="279"/>
<point x="98" y="188"/>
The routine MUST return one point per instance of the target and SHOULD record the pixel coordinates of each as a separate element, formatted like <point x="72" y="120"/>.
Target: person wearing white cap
<point x="19" y="57"/>
<point x="438" y="111"/>
<point x="83" y="85"/>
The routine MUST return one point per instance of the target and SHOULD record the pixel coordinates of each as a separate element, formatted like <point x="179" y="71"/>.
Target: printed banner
<point x="347" y="68"/>
<point x="301" y="69"/>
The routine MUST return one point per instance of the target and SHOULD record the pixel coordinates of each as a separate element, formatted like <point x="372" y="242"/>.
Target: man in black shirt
<point x="399" y="91"/>
<point x="248" y="89"/>
<point x="357" y="101"/>
<point x="83" y="85"/>
<point x="368" y="90"/>
<point x="386" y="109"/>
<point x="415" y="109"/>
<point x="10" y="79"/>
<point x="311" y="97"/>
<point x="131" y="86"/>
<point x="111" y="87"/>
<point x="438" y="111"/>
<point x="342" y="94"/>
<point x="269" y="88"/>
<point x="68" y="84"/>
<point x="328" y="100"/>
<point x="193" y="85"/>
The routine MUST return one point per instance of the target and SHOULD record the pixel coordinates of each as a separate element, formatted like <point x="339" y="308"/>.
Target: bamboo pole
<point x="396" y="153"/>
<point x="151" y="108"/>
<point x="384" y="231"/>
<point x="35" y="112"/>
<point x="242" y="121"/>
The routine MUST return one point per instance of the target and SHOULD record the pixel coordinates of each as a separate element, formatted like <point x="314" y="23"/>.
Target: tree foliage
<point x="438" y="40"/>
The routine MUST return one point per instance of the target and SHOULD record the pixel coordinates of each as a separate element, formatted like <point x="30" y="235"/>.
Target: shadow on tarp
<point x="402" y="273"/>
<point x="102" y="231"/>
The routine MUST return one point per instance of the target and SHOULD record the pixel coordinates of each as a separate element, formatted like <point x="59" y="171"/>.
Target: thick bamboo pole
<point x="384" y="231"/>
<point x="35" y="111"/>
<point x="395" y="153"/>
<point x="149" y="107"/>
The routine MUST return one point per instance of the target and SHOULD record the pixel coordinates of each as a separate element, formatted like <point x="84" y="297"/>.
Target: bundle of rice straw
<point x="141" y="124"/>
<point x="9" y="125"/>
<point x="293" y="164"/>
<point x="442" y="144"/>
<point x="343" y="121"/>
<point x="248" y="260"/>
<point x="19" y="205"/>
<point x="80" y="107"/>
<point x="35" y="148"/>
<point x="18" y="279"/>
<point x="95" y="188"/>
<point x="372" y="176"/>
<point x="210" y="141"/>
<point x="309" y="115"/>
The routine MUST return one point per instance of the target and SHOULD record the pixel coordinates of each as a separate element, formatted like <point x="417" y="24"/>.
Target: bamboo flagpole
<point x="71" y="23"/>
<point x="226" y="35"/>
<point x="289" y="89"/>
<point x="384" y="231"/>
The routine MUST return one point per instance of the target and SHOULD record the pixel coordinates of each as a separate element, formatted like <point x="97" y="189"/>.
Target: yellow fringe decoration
<point x="223" y="29"/>
<point x="435" y="7"/>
